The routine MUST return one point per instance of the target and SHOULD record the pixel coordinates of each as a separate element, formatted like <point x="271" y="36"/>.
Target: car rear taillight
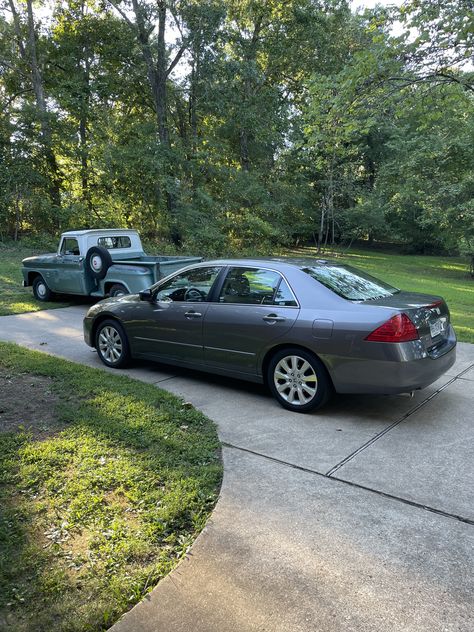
<point x="398" y="329"/>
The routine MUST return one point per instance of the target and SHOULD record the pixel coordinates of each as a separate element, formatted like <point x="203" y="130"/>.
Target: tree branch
<point x="123" y="14"/>
<point x="16" y="24"/>
<point x="176" y="59"/>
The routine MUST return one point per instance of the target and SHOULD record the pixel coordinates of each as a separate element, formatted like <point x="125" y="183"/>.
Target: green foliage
<point x="282" y="122"/>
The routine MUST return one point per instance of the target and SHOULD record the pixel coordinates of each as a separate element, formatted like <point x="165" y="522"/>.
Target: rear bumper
<point x="411" y="369"/>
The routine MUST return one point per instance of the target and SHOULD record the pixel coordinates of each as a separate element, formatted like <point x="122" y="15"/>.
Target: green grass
<point x="444" y="276"/>
<point x="15" y="299"/>
<point x="96" y="507"/>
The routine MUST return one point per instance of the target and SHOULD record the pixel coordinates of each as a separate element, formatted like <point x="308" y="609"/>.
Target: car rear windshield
<point x="349" y="282"/>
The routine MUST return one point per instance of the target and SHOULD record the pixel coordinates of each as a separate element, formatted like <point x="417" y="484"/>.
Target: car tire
<point x="41" y="291"/>
<point x="118" y="289"/>
<point x="112" y="345"/>
<point x="98" y="261"/>
<point x="298" y="380"/>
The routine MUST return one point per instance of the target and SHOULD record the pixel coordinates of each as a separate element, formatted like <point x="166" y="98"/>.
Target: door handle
<point x="273" y="318"/>
<point x="193" y="315"/>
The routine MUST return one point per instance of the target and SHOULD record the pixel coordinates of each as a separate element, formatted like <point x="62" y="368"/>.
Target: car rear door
<point x="254" y="307"/>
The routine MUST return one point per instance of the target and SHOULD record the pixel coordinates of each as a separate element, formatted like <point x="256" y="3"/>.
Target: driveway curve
<point x="359" y="517"/>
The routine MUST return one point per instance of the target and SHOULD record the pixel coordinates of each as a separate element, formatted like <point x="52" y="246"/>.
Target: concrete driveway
<point x="359" y="517"/>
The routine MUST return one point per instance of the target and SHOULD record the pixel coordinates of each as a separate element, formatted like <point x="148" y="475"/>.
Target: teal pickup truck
<point x="99" y="263"/>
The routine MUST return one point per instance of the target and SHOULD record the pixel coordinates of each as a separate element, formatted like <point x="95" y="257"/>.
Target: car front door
<point x="254" y="307"/>
<point x="170" y="326"/>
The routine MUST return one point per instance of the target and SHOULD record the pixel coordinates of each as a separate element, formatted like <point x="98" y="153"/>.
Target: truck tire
<point x="118" y="289"/>
<point x="41" y="291"/>
<point x="98" y="261"/>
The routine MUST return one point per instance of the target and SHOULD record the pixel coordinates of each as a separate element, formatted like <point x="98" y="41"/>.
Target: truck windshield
<point x="350" y="283"/>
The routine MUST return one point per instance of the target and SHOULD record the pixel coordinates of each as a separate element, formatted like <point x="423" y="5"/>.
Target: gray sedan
<point x="306" y="328"/>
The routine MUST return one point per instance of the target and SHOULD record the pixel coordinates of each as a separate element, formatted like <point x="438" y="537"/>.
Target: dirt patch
<point x="28" y="404"/>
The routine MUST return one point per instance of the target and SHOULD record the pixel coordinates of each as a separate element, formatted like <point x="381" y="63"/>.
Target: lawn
<point x="15" y="299"/>
<point x="444" y="276"/>
<point x="104" y="484"/>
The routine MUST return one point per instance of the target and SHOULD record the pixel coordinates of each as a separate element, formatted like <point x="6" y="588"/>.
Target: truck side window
<point x="70" y="246"/>
<point x="121" y="241"/>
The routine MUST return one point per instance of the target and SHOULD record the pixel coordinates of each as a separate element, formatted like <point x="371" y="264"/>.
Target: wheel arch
<point x="271" y="352"/>
<point x="109" y="283"/>
<point x="32" y="276"/>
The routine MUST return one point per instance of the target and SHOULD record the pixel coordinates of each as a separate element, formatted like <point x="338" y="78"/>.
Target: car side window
<point x="70" y="246"/>
<point x="284" y="296"/>
<point x="251" y="286"/>
<point x="192" y="286"/>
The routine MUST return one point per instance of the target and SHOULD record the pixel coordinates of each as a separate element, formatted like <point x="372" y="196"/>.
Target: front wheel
<point x="298" y="380"/>
<point x="112" y="345"/>
<point x="40" y="290"/>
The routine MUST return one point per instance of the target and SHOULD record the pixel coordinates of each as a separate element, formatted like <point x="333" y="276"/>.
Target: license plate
<point x="436" y="328"/>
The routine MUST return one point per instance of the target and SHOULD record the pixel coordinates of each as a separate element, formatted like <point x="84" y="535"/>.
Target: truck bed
<point x="162" y="265"/>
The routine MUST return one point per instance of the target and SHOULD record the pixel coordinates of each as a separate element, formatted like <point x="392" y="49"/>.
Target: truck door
<point x="69" y="276"/>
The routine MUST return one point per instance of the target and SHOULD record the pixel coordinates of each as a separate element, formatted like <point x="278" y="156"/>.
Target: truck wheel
<point x="98" y="261"/>
<point x="41" y="291"/>
<point x="118" y="289"/>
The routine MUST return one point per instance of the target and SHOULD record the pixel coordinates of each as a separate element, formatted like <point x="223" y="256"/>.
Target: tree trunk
<point x="250" y="58"/>
<point x="38" y="88"/>
<point x="156" y="73"/>
<point x="193" y="95"/>
<point x="161" y="76"/>
<point x="83" y="70"/>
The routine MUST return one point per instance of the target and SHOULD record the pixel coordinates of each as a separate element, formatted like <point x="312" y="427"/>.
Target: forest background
<point x="220" y="126"/>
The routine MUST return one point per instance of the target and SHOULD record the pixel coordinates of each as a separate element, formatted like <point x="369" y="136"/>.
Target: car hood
<point x="113" y="304"/>
<point x="32" y="261"/>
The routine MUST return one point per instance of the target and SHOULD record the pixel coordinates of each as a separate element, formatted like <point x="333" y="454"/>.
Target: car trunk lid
<point x="429" y="314"/>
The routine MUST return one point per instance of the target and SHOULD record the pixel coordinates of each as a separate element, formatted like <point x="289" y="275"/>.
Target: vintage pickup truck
<point x="100" y="263"/>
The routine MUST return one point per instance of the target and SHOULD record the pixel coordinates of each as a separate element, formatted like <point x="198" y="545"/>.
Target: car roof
<point x="275" y="262"/>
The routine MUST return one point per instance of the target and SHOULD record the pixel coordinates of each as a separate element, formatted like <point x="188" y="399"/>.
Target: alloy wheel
<point x="110" y="344"/>
<point x="295" y="380"/>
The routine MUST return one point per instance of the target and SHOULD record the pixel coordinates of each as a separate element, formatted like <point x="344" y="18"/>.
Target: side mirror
<point x="146" y="295"/>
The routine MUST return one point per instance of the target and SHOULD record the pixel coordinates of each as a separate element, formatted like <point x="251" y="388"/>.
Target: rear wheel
<point x="298" y="380"/>
<point x="112" y="345"/>
<point x="118" y="289"/>
<point x="40" y="290"/>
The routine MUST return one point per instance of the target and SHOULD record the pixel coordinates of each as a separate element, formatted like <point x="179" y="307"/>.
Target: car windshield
<point x="350" y="283"/>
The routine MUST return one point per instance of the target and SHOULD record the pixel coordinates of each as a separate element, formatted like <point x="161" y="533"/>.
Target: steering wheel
<point x="193" y="294"/>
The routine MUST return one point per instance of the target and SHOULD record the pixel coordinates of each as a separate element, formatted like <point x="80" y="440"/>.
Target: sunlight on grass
<point x="96" y="512"/>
